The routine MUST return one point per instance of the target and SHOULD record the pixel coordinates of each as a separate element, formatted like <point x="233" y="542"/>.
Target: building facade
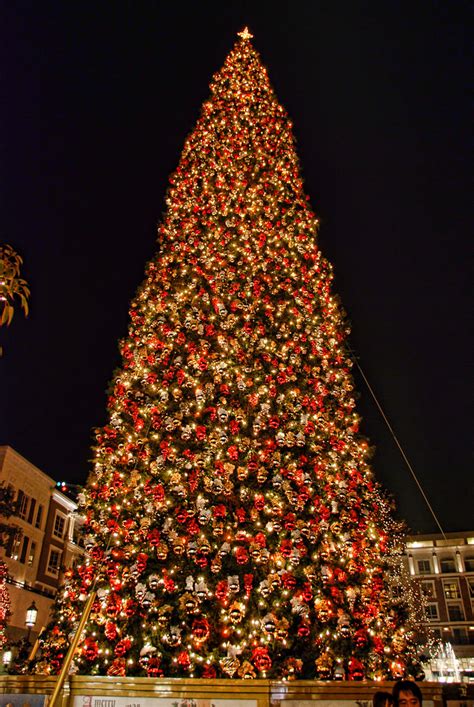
<point x="45" y="544"/>
<point x="443" y="569"/>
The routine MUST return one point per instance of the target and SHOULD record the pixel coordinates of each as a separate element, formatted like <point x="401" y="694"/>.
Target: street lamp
<point x="30" y="620"/>
<point x="7" y="657"/>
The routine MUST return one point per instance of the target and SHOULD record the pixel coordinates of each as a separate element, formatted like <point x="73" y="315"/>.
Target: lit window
<point x="32" y="553"/>
<point x="21" y="504"/>
<point x="428" y="589"/>
<point x="54" y="561"/>
<point x="59" y="525"/>
<point x="451" y="589"/>
<point x="14" y="550"/>
<point x="424" y="566"/>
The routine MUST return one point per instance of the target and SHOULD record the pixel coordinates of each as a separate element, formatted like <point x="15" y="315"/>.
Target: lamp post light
<point x="30" y="620"/>
<point x="7" y="658"/>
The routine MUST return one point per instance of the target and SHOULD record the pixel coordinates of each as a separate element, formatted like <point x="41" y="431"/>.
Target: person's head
<point x="382" y="699"/>
<point x="406" y="693"/>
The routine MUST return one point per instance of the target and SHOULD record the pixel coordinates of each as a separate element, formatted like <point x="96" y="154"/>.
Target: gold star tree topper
<point x="245" y="34"/>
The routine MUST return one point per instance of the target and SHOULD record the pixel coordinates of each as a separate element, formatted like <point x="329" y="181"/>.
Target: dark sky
<point x="98" y="98"/>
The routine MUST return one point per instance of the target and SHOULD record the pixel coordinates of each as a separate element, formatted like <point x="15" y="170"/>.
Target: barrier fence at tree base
<point x="98" y="691"/>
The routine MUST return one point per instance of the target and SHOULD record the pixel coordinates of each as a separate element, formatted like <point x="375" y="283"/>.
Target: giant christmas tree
<point x="233" y="526"/>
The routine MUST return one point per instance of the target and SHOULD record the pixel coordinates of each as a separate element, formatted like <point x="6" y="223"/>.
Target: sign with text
<point x="92" y="701"/>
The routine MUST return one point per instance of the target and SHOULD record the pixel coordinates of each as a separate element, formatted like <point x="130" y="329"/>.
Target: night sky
<point x="98" y="98"/>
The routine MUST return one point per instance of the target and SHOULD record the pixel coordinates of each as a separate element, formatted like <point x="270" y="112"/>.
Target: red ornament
<point x="233" y="452"/>
<point x="114" y="605"/>
<point x="193" y="527"/>
<point x="184" y="660"/>
<point x="168" y="583"/>
<point x="142" y="560"/>
<point x="56" y="663"/>
<point x="304" y="629"/>
<point x="361" y="638"/>
<point x="261" y="659"/>
<point x="221" y="590"/>
<point x="289" y="521"/>
<point x="181" y="515"/>
<point x="130" y="608"/>
<point x="90" y="649"/>
<point x="378" y="645"/>
<point x="117" y="668"/>
<point x="123" y="647"/>
<point x="201" y="432"/>
<point x="241" y="555"/>
<point x="110" y="631"/>
<point x="200" y="629"/>
<point x="153" y="537"/>
<point x="356" y="669"/>
<point x="289" y="581"/>
<point x="241" y="515"/>
<point x="201" y="560"/>
<point x="153" y="668"/>
<point x="97" y="553"/>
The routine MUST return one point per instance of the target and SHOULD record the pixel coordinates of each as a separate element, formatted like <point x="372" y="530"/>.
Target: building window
<point x="447" y="566"/>
<point x="14" y="549"/>
<point x="32" y="553"/>
<point x="32" y="510"/>
<point x="455" y="612"/>
<point x="451" y="589"/>
<point x="424" y="566"/>
<point x="428" y="589"/>
<point x="21" y="504"/>
<point x="59" y="525"/>
<point x="54" y="561"/>
<point x="24" y="549"/>
<point x="460" y="636"/>
<point x="432" y="612"/>
<point x="39" y="516"/>
<point x="469" y="564"/>
<point x="470" y="584"/>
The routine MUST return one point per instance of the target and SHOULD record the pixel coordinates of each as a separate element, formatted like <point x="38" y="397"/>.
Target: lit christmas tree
<point x="233" y="526"/>
<point x="4" y="605"/>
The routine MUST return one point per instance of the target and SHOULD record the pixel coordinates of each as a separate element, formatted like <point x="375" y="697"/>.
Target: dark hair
<point x="380" y="698"/>
<point x="406" y="686"/>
